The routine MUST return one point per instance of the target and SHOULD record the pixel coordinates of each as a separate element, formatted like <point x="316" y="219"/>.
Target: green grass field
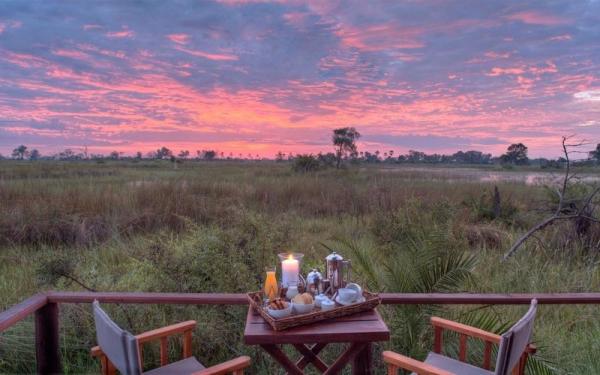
<point x="147" y="226"/>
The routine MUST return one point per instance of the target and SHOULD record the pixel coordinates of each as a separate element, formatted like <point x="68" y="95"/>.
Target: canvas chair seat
<point x="453" y="366"/>
<point x="120" y="350"/>
<point x="512" y="351"/>
<point x="184" y="367"/>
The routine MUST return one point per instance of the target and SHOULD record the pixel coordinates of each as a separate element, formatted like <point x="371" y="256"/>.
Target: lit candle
<point x="290" y="268"/>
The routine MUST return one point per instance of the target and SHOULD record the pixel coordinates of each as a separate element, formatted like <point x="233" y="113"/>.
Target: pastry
<point x="278" y="304"/>
<point x="303" y="299"/>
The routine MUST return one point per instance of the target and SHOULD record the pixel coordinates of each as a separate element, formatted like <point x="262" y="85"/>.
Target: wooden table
<point x="359" y="331"/>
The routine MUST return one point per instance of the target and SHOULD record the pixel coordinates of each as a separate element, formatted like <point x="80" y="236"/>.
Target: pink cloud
<point x="538" y="18"/>
<point x="71" y="54"/>
<point x="296" y="19"/>
<point x="9" y="25"/>
<point x="120" y="34"/>
<point x="22" y="60"/>
<point x="560" y="38"/>
<point x="88" y="27"/>
<point x="243" y="2"/>
<point x="495" y="71"/>
<point x="497" y="55"/>
<point x="207" y="55"/>
<point x="178" y="38"/>
<point x="380" y="37"/>
<point x="550" y="67"/>
<point x="91" y="48"/>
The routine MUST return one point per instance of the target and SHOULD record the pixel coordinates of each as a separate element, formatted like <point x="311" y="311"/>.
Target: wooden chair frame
<point x="235" y="366"/>
<point x="397" y="361"/>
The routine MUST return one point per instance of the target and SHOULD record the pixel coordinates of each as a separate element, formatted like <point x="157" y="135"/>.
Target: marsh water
<point x="461" y="174"/>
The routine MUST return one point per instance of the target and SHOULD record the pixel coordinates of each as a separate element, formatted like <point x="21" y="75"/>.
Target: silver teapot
<point x="337" y="271"/>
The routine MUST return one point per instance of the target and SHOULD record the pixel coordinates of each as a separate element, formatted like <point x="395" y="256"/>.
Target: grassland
<point x="147" y="226"/>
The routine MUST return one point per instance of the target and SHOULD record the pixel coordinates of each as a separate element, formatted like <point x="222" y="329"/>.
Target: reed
<point x="147" y="226"/>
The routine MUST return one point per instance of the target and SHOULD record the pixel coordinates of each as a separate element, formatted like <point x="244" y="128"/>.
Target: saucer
<point x="343" y="303"/>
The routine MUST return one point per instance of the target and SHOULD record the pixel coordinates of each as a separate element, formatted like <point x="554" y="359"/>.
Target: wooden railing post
<point x="47" y="351"/>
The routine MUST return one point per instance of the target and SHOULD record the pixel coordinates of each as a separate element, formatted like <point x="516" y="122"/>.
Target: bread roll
<point x="299" y="299"/>
<point x="308" y="299"/>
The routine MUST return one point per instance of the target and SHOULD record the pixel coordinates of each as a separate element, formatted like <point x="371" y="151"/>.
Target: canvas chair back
<point x="120" y="346"/>
<point x="514" y="342"/>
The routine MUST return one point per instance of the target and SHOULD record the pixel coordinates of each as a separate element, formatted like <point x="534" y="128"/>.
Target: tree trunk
<point x="497" y="207"/>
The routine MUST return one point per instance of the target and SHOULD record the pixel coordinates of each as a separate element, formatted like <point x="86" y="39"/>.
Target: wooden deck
<point x="45" y="307"/>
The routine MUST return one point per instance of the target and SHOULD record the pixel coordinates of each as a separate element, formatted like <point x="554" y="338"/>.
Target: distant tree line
<point x="344" y="141"/>
<point x="163" y="153"/>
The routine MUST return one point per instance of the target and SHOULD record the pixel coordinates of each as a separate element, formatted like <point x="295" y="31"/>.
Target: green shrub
<point x="306" y="163"/>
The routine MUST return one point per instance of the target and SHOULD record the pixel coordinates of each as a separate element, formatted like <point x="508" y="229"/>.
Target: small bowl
<point x="327" y="305"/>
<point x="278" y="314"/>
<point x="320" y="298"/>
<point x="303" y="309"/>
<point x="347" y="295"/>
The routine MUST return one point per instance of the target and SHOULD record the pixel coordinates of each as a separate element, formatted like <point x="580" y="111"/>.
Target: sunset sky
<point x="259" y="77"/>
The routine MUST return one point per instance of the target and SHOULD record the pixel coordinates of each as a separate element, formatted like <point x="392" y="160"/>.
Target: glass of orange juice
<point x="271" y="289"/>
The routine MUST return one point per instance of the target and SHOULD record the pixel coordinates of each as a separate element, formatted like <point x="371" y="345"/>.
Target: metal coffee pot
<point x="337" y="271"/>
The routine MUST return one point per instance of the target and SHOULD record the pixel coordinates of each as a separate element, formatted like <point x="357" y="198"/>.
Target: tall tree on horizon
<point x="34" y="154"/>
<point x="344" y="140"/>
<point x="20" y="152"/>
<point x="516" y="154"/>
<point x="164" y="153"/>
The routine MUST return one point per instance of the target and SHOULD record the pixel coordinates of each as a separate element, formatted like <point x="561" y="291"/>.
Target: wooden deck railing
<point x="45" y="306"/>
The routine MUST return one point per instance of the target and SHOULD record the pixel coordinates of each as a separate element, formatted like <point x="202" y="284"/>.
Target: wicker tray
<point x="256" y="301"/>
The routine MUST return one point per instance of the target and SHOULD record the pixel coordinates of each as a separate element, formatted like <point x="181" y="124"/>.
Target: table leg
<point x="309" y="355"/>
<point x="282" y="359"/>
<point x="346" y="357"/>
<point x="363" y="362"/>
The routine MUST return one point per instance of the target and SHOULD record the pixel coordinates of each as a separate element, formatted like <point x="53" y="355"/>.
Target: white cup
<point x="347" y="295"/>
<point x="356" y="287"/>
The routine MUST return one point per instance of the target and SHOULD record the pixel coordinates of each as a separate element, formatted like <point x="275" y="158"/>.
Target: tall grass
<point x="145" y="226"/>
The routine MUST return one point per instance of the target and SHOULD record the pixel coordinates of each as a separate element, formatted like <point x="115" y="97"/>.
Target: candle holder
<point x="291" y="264"/>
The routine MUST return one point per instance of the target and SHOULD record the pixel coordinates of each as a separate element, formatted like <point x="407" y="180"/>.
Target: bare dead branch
<point x="590" y="198"/>
<point x="566" y="209"/>
<point x="529" y="233"/>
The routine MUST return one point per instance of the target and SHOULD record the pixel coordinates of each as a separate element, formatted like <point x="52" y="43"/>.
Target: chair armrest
<point x="156" y="334"/>
<point x="396" y="361"/>
<point x="234" y="365"/>
<point x="166" y="331"/>
<point x="465" y="329"/>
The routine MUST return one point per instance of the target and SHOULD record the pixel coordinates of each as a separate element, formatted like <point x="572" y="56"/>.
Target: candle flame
<point x="291" y="256"/>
